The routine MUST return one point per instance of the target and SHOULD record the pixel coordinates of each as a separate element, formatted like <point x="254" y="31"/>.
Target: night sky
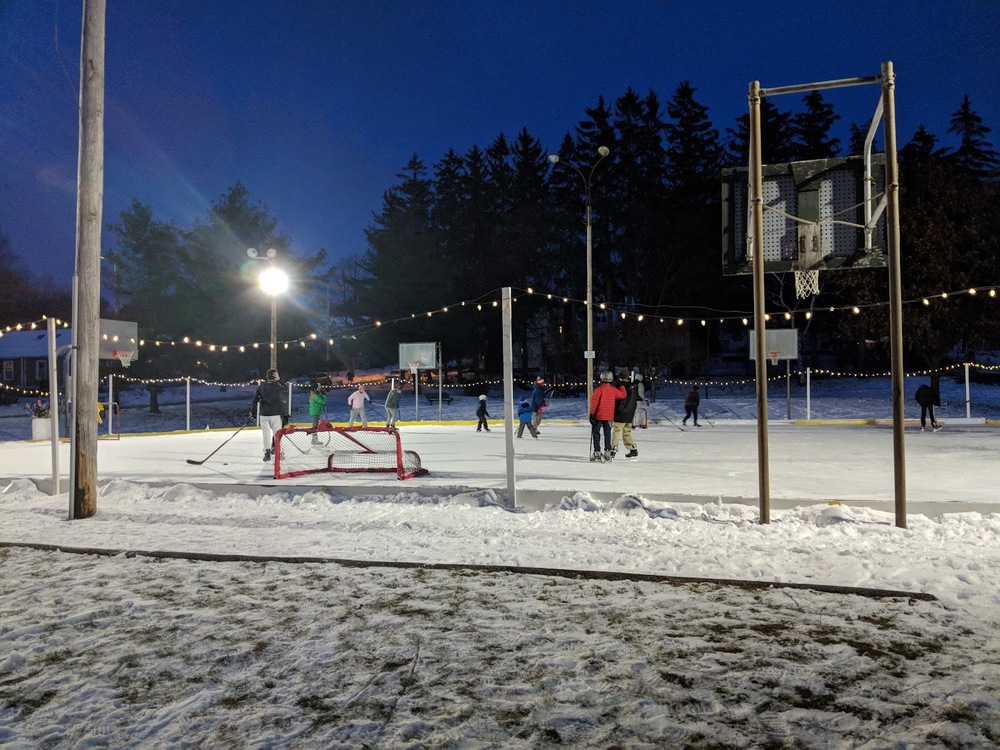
<point x="316" y="106"/>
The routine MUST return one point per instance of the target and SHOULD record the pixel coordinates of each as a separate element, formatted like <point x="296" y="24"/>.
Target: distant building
<point x="24" y="357"/>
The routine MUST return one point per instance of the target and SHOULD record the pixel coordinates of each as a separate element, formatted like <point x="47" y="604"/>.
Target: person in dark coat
<point x="691" y="402"/>
<point x="538" y="401"/>
<point x="928" y="398"/>
<point x="621" y="428"/>
<point x="270" y="399"/>
<point x="482" y="414"/>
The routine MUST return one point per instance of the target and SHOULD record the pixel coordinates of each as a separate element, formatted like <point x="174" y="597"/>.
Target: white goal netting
<point x="300" y="451"/>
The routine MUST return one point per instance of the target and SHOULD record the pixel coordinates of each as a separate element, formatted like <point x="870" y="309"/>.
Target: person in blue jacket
<point x="524" y="417"/>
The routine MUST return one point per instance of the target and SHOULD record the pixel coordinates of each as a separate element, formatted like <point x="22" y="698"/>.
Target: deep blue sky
<point x="316" y="106"/>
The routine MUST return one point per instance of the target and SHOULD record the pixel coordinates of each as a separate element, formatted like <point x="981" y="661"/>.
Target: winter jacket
<point x="538" y="398"/>
<point x="692" y="399"/>
<point x="270" y="396"/>
<point x="392" y="400"/>
<point x="524" y="412"/>
<point x="357" y="399"/>
<point x="481" y="411"/>
<point x="317" y="401"/>
<point x="602" y="403"/>
<point x="927" y="396"/>
<point x="625" y="407"/>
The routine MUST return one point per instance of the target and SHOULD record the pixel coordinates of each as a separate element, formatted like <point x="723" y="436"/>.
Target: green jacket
<point x="317" y="402"/>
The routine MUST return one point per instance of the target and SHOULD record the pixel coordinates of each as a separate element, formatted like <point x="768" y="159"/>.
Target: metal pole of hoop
<point x="414" y="368"/>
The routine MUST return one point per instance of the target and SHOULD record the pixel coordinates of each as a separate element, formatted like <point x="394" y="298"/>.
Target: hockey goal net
<point x="327" y="448"/>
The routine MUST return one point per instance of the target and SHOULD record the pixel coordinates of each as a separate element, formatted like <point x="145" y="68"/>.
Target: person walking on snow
<point x="357" y="403"/>
<point x="538" y="402"/>
<point x="482" y="414"/>
<point x="524" y="417"/>
<point x="392" y="404"/>
<point x="691" y="401"/>
<point x="928" y="398"/>
<point x="602" y="413"/>
<point x="270" y="400"/>
<point x="621" y="429"/>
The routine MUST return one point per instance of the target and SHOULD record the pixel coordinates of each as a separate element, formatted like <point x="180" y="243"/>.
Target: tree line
<point x="503" y="215"/>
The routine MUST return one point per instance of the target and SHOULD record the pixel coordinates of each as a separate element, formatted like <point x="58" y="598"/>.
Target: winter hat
<point x="607" y="376"/>
<point x="540" y="380"/>
<point x="482" y="397"/>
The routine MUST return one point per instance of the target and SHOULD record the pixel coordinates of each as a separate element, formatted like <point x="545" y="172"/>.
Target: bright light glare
<point x="274" y="281"/>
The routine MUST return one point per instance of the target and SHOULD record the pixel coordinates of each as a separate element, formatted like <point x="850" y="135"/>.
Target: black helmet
<point x="607" y="376"/>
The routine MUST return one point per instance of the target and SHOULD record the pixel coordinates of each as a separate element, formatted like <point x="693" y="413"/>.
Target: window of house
<point x="41" y="369"/>
<point x="8" y="370"/>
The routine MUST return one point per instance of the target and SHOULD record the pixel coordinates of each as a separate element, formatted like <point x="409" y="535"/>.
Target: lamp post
<point x="273" y="281"/>
<point x="602" y="152"/>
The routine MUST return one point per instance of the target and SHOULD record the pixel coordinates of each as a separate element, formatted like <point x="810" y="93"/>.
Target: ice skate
<point x="634" y="453"/>
<point x="596" y="456"/>
<point x="267" y="455"/>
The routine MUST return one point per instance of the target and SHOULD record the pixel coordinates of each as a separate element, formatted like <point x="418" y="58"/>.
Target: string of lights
<point x="491" y="301"/>
<point x="527" y="383"/>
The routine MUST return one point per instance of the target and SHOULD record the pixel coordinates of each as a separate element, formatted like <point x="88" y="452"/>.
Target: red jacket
<point x="602" y="403"/>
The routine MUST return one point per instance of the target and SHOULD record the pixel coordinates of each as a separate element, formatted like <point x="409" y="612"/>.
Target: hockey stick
<point x="682" y="429"/>
<point x="199" y="463"/>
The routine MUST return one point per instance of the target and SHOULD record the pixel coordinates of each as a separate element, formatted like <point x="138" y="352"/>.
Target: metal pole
<point x="757" y="239"/>
<point x="968" y="397"/>
<point x="895" y="292"/>
<point x="274" y="332"/>
<point x="54" y="403"/>
<point x="508" y="392"/>
<point x="589" y="354"/>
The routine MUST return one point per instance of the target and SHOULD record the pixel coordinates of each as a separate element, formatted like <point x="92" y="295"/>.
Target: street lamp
<point x="602" y="151"/>
<point x="273" y="281"/>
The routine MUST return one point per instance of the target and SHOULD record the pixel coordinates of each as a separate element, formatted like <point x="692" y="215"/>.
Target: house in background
<point x="24" y="357"/>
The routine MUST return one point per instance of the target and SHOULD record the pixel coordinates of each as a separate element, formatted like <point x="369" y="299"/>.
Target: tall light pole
<point x="273" y="281"/>
<point x="602" y="152"/>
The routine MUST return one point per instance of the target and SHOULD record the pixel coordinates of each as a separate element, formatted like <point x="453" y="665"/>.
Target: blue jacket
<point x="537" y="397"/>
<point x="524" y="412"/>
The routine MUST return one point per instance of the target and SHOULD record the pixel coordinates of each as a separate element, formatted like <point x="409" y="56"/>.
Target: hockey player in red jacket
<point x="602" y="414"/>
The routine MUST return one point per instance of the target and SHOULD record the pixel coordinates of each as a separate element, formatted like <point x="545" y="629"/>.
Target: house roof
<point x="20" y="344"/>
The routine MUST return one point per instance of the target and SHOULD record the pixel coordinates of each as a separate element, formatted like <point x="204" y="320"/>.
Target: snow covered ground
<point x="371" y="612"/>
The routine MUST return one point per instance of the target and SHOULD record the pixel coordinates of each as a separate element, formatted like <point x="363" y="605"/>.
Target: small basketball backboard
<point x="119" y="339"/>
<point x="814" y="214"/>
<point x="780" y="343"/>
<point x="418" y="356"/>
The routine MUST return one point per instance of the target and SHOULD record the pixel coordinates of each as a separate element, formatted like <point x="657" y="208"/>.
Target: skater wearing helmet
<point x="482" y="414"/>
<point x="602" y="413"/>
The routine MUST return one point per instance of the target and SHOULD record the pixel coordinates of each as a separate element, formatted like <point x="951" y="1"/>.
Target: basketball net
<point x="124" y="357"/>
<point x="806" y="284"/>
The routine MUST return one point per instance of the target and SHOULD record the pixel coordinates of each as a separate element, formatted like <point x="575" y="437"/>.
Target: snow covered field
<point x="386" y="616"/>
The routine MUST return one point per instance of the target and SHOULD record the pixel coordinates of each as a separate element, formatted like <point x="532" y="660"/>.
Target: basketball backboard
<point x="422" y="353"/>
<point x="118" y="336"/>
<point x="827" y="198"/>
<point x="784" y="342"/>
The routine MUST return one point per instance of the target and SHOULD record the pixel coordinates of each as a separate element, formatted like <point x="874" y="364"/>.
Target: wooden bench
<point x="432" y="397"/>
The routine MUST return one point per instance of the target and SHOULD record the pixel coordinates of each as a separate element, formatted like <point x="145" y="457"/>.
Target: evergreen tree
<point x="974" y="156"/>
<point x="777" y="136"/>
<point x="812" y="129"/>
<point x="402" y="263"/>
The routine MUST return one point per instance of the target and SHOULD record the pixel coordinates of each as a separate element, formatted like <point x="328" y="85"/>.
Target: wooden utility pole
<point x="89" y="211"/>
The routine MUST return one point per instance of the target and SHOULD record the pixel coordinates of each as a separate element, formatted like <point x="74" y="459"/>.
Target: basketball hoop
<point x="806" y="284"/>
<point x="414" y="364"/>
<point x="773" y="356"/>
<point x="125" y="357"/>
